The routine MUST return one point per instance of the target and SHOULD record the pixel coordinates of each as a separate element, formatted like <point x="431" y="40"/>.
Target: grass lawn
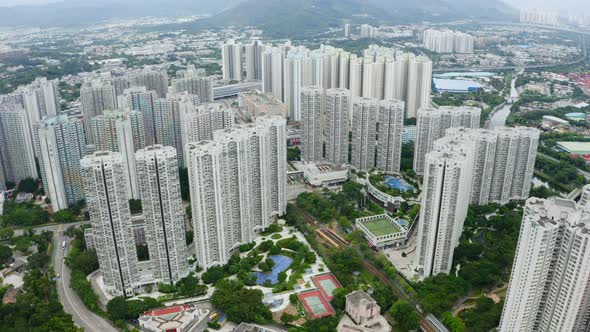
<point x="381" y="227"/>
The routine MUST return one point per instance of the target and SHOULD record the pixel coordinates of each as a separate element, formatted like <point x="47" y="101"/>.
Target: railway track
<point x="331" y="239"/>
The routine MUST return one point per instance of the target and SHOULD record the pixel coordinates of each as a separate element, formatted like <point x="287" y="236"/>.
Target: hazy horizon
<point x="565" y="6"/>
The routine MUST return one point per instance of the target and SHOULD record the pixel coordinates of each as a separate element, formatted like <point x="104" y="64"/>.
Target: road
<point x="51" y="228"/>
<point x="83" y="317"/>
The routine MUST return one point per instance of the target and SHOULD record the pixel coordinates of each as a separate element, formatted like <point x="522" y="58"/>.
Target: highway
<point x="83" y="317"/>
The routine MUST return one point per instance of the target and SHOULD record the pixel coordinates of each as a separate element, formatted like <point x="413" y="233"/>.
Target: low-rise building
<point x="256" y="102"/>
<point x="323" y="174"/>
<point x="172" y="319"/>
<point x="233" y="90"/>
<point x="362" y="315"/>
<point x="550" y="121"/>
<point x="382" y="231"/>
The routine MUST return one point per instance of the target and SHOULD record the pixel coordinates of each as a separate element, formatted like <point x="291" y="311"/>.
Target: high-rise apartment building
<point x="104" y="179"/>
<point x="277" y="155"/>
<point x="548" y="289"/>
<point x="198" y="123"/>
<point x="447" y="41"/>
<point x="151" y="79"/>
<point x="96" y="97"/>
<point x="157" y="171"/>
<point x="16" y="145"/>
<point x="516" y="151"/>
<point x="365" y="113"/>
<point x="419" y="85"/>
<point x="253" y="54"/>
<point x="61" y="144"/>
<point x="445" y="200"/>
<point x="389" y="135"/>
<point x="140" y="99"/>
<point x="539" y="16"/>
<point x="312" y="106"/>
<point x="432" y="124"/>
<point x="231" y="57"/>
<point x="121" y="131"/>
<point x="373" y="77"/>
<point x="231" y="186"/>
<point x="503" y="161"/>
<point x="195" y="85"/>
<point x="338" y="106"/>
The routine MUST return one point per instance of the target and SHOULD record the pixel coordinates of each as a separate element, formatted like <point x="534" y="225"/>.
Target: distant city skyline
<point x="565" y="6"/>
<point x="573" y="6"/>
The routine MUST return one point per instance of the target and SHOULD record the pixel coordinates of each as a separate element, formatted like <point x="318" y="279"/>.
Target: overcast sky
<point x="573" y="6"/>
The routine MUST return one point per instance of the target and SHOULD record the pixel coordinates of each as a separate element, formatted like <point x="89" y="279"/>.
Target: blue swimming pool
<point x="396" y="183"/>
<point x="281" y="264"/>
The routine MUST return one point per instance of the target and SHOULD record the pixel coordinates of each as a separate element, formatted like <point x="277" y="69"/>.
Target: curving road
<point x="83" y="317"/>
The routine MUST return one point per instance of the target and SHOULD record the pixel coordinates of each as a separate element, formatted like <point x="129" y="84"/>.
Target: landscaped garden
<point x="276" y="263"/>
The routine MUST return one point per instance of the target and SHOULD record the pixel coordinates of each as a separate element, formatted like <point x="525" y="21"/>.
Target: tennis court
<point x="281" y="264"/>
<point x="326" y="284"/>
<point x="315" y="304"/>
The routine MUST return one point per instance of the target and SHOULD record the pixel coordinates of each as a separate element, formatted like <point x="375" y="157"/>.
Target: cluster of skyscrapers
<point x="469" y="166"/>
<point x="539" y="16"/>
<point x="134" y="134"/>
<point x="104" y="174"/>
<point x="242" y="62"/>
<point x="448" y="41"/>
<point x="382" y="73"/>
<point x="328" y="118"/>
<point x="20" y="111"/>
<point x="238" y="186"/>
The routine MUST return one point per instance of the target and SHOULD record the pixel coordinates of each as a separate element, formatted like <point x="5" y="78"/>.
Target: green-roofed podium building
<point x="382" y="231"/>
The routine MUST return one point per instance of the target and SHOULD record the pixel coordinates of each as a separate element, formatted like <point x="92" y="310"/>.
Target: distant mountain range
<point x="85" y="12"/>
<point x="288" y="18"/>
<point x="277" y="17"/>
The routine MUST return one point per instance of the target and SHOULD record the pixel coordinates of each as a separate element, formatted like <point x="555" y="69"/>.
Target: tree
<point x="287" y="318"/>
<point x="293" y="299"/>
<point x="454" y="324"/>
<point x="293" y="154"/>
<point x="239" y="303"/>
<point x="5" y="254"/>
<point x="405" y="315"/>
<point x="28" y="185"/>
<point x="6" y="233"/>
<point x="282" y="276"/>
<point x="63" y="216"/>
<point x="213" y="275"/>
<point x="344" y="222"/>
